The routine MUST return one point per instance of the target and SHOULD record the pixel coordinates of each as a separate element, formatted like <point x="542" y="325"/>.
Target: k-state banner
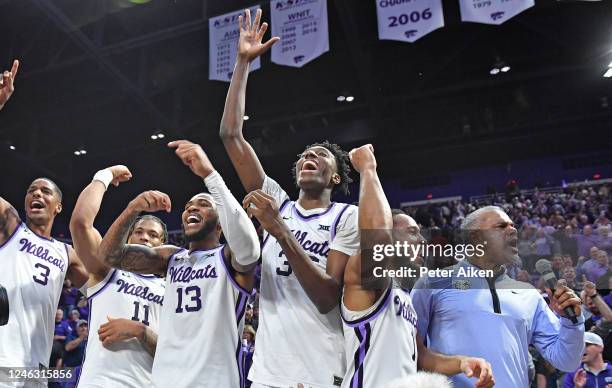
<point x="223" y="44"/>
<point x="492" y="11"/>
<point x="408" y="20"/>
<point x="302" y="27"/>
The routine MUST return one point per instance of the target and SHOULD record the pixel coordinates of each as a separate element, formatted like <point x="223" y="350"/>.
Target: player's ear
<point x="336" y="179"/>
<point x="58" y="208"/>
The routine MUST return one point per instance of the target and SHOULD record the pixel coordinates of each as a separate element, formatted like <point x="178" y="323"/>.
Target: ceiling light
<point x="608" y="73"/>
<point x="340" y="98"/>
<point x="505" y="69"/>
<point x="83" y="152"/>
<point x="350" y="99"/>
<point x="494" y="71"/>
<point x="12" y="147"/>
<point x="77" y="153"/>
<point x="154" y="137"/>
<point x="160" y="135"/>
<point x="246" y="117"/>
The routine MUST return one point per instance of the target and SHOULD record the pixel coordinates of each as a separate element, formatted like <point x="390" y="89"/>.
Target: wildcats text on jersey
<point x="41" y="253"/>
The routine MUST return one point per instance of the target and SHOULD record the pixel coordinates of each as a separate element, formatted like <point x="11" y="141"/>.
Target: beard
<point x="208" y="227"/>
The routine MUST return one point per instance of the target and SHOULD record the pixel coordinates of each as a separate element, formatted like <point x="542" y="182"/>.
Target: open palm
<point x="251" y="34"/>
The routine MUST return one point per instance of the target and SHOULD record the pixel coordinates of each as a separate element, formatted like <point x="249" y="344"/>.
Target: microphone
<point x="4" y="306"/>
<point x="544" y="267"/>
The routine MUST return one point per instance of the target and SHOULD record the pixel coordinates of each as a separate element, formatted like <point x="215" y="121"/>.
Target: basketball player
<point x="122" y="354"/>
<point x="306" y="245"/>
<point x="380" y="334"/>
<point x="7" y="86"/>
<point x="34" y="267"/>
<point x="207" y="286"/>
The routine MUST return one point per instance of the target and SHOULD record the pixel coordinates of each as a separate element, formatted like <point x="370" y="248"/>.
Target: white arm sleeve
<point x="237" y="227"/>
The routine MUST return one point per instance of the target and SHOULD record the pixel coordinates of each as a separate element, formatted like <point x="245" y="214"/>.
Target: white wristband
<point x="105" y="176"/>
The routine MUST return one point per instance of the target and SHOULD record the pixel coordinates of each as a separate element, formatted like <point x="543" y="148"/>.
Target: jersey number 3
<point x="43" y="277"/>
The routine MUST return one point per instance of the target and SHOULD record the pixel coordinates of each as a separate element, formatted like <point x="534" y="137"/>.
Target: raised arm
<point x="7" y="86"/>
<point x="114" y="250"/>
<point x="85" y="237"/>
<point x="9" y="220"/>
<point x="241" y="153"/>
<point x="375" y="224"/>
<point x="242" y="240"/>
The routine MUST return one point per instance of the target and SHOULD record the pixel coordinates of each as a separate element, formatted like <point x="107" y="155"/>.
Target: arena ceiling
<point x="105" y="75"/>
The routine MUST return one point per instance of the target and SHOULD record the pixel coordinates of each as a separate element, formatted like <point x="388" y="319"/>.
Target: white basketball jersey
<point x="296" y="343"/>
<point x="126" y="363"/>
<point x="32" y="269"/>
<point x="380" y="343"/>
<point x="201" y="323"/>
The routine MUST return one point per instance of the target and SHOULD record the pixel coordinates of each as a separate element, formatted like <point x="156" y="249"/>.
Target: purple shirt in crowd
<point x="593" y="270"/>
<point x="69" y="298"/>
<point x="585" y="243"/>
<point x="62" y="328"/>
<point x="600" y="379"/>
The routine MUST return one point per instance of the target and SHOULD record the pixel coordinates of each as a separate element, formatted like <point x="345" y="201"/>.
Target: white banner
<point x="492" y="11"/>
<point x="223" y="44"/>
<point x="408" y="20"/>
<point x="302" y="27"/>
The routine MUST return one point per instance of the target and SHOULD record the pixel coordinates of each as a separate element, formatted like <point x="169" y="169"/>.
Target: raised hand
<point x="7" y="86"/>
<point x="580" y="378"/>
<point x="193" y="156"/>
<point x="251" y="34"/>
<point x="362" y="158"/>
<point x="151" y="201"/>
<point x="120" y="174"/>
<point x="261" y="205"/>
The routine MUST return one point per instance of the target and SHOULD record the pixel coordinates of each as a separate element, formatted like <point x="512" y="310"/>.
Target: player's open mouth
<point x="193" y="219"/>
<point x="37" y="205"/>
<point x="310" y="165"/>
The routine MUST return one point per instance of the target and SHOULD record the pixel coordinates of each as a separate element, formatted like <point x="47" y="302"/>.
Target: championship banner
<point x="408" y="21"/>
<point x="302" y="27"/>
<point x="223" y="45"/>
<point x="492" y="11"/>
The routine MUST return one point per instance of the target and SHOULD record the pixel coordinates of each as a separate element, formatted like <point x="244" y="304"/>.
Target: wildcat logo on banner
<point x="223" y="45"/>
<point x="302" y="27"/>
<point x="492" y="11"/>
<point x="408" y="20"/>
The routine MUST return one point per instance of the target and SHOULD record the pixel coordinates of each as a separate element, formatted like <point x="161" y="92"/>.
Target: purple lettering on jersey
<point x="139" y="292"/>
<point x="317" y="248"/>
<point x="187" y="274"/>
<point x="42" y="253"/>
<point x="405" y="310"/>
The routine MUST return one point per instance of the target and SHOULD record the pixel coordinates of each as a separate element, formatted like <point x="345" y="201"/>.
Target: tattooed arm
<point x="9" y="220"/>
<point x="114" y="250"/>
<point x="120" y="329"/>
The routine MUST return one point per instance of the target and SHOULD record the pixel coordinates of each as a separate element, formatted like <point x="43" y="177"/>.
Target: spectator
<point x="69" y="297"/>
<point x="74" y="318"/>
<point x="62" y="327"/>
<point x="586" y="240"/>
<point x="75" y="349"/>
<point x="249" y="317"/>
<point x="557" y="265"/>
<point x="593" y="372"/>
<point x="83" y="307"/>
<point x="248" y="348"/>
<point x="567" y="242"/>
<point x="601" y="314"/>
<point x="596" y="267"/>
<point x="569" y="274"/>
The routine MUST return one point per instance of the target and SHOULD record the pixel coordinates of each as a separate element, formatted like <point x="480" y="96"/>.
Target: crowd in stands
<point x="570" y="227"/>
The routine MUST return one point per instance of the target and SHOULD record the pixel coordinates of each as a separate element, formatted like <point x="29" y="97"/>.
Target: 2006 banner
<point x="408" y="21"/>
<point x="492" y="11"/>
<point x="302" y="27"/>
<point x="223" y="45"/>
